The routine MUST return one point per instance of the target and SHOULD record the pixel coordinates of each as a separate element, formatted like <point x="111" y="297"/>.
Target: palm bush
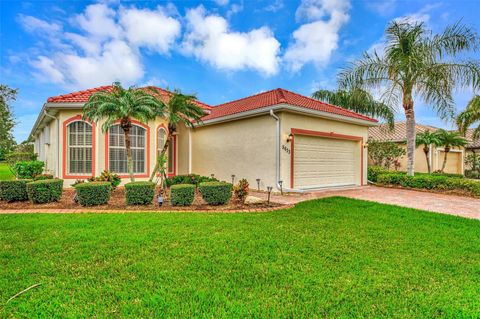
<point x="470" y="116"/>
<point x="449" y="140"/>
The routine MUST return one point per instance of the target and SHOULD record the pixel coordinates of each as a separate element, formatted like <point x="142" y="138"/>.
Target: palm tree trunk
<point x="426" y="150"/>
<point x="446" y="150"/>
<point x="410" y="125"/>
<point x="162" y="153"/>
<point x="128" y="147"/>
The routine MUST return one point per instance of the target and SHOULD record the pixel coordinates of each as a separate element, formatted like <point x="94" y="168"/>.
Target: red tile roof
<point x="279" y="96"/>
<point x="83" y="96"/>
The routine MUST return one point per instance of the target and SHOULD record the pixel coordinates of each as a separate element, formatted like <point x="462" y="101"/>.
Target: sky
<point x="219" y="50"/>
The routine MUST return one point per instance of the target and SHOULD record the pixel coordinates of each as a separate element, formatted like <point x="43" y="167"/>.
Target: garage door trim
<point x="298" y="131"/>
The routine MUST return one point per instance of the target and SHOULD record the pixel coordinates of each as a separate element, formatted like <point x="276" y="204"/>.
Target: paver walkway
<point x="440" y="203"/>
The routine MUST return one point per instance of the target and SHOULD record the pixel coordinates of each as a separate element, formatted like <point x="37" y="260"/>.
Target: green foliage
<point x="450" y="139"/>
<point x="45" y="191"/>
<point x="472" y="174"/>
<point x="139" y="193"/>
<point x="14" y="190"/>
<point x="42" y="177"/>
<point x="15" y="157"/>
<point x="216" y="193"/>
<point x="94" y="193"/>
<point x="384" y="154"/>
<point x="182" y="194"/>
<point x="240" y="191"/>
<point x="28" y="170"/>
<point x="472" y="161"/>
<point x="193" y="179"/>
<point x="374" y="171"/>
<point x="469" y="116"/>
<point x="7" y="122"/>
<point x="359" y="101"/>
<point x="107" y="176"/>
<point x="431" y="181"/>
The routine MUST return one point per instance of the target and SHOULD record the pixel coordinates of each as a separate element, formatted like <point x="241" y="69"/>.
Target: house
<point x="455" y="158"/>
<point x="474" y="144"/>
<point x="277" y="138"/>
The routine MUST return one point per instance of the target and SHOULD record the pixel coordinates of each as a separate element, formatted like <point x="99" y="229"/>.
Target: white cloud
<point x="152" y="29"/>
<point x="221" y="2"/>
<point x="209" y="39"/>
<point x="275" y="6"/>
<point x="48" y="70"/>
<point x="383" y="8"/>
<point x="32" y="24"/>
<point x="316" y="41"/>
<point x="99" y="21"/>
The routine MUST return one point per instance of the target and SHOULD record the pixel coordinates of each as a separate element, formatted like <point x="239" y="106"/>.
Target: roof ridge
<point x="281" y="96"/>
<point x="332" y="105"/>
<point x="244" y="98"/>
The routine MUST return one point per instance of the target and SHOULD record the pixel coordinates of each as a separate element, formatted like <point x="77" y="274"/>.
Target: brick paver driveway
<point x="440" y="203"/>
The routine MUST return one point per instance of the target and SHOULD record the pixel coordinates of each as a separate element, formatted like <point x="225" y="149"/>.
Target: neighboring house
<point x="272" y="136"/>
<point x="398" y="135"/>
<point x="474" y="144"/>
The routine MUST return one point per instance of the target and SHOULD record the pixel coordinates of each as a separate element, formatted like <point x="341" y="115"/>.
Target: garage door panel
<point x="323" y="162"/>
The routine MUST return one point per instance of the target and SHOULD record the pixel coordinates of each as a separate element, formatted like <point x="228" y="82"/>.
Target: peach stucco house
<point x="276" y="136"/>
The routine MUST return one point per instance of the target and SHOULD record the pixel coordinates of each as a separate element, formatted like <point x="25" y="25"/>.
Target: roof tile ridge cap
<point x="334" y="106"/>
<point x="244" y="98"/>
<point x="281" y="96"/>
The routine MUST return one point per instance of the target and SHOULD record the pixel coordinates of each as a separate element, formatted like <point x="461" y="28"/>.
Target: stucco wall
<point x="245" y="148"/>
<point x="292" y="120"/>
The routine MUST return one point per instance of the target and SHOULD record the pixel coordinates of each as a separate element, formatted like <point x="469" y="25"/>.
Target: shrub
<point x="374" y="171"/>
<point x="447" y="174"/>
<point x="13" y="191"/>
<point x="45" y="191"/>
<point x="216" y="193"/>
<point x="240" y="191"/>
<point x="472" y="174"/>
<point x="107" y="176"/>
<point x="15" y="157"/>
<point x="193" y="179"/>
<point x="94" y="193"/>
<point x="139" y="193"/>
<point x="28" y="170"/>
<point x="435" y="182"/>
<point x="42" y="177"/>
<point x="182" y="194"/>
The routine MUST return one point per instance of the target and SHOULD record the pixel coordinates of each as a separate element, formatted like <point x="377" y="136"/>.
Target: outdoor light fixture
<point x="365" y="145"/>
<point x="289" y="138"/>
<point x="269" y="189"/>
<point x="212" y="175"/>
<point x="160" y="200"/>
<point x="233" y="178"/>
<point x="280" y="183"/>
<point x="258" y="183"/>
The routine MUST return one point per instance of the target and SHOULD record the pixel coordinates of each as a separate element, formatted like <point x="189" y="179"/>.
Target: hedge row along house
<point x="455" y="157"/>
<point x="279" y="137"/>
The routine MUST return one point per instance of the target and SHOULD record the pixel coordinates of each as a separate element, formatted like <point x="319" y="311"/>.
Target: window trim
<point x="65" y="173"/>
<point x="147" y="150"/>
<point x="174" y="143"/>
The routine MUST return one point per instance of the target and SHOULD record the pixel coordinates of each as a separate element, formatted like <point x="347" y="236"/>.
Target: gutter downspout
<point x="277" y="155"/>
<point x="57" y="147"/>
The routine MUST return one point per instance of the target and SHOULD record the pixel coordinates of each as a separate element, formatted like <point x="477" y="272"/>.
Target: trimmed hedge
<point x="45" y="191"/>
<point x="193" y="179"/>
<point x="374" y="171"/>
<point x="94" y="193"/>
<point x="139" y="193"/>
<point x="216" y="193"/>
<point x="14" y="191"/>
<point x="42" y="177"/>
<point x="182" y="194"/>
<point x="435" y="182"/>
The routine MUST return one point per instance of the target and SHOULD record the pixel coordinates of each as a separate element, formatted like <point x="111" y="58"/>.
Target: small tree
<point x="449" y="140"/>
<point x="384" y="154"/>
<point x="7" y="122"/>
<point x="426" y="139"/>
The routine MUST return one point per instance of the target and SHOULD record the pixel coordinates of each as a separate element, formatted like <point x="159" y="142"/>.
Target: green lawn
<point x="335" y="257"/>
<point x="5" y="172"/>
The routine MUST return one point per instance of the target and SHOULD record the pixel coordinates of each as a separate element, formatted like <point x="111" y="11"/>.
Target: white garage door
<point x="324" y="162"/>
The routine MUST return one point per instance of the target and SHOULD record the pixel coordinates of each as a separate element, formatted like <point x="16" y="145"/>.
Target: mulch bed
<point x="117" y="202"/>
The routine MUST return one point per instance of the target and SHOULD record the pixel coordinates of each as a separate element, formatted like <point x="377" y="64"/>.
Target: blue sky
<point x="221" y="50"/>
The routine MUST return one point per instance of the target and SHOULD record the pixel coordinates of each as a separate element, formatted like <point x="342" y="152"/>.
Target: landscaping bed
<point x="117" y="202"/>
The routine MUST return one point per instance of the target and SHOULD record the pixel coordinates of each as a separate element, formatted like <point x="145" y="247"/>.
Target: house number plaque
<point x="286" y="149"/>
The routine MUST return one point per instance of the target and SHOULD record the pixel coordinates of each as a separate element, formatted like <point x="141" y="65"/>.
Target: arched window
<point x="79" y="148"/>
<point x="117" y="159"/>
<point x="161" y="139"/>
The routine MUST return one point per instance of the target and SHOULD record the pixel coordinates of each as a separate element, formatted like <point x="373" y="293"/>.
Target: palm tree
<point x="180" y="108"/>
<point x="359" y="101"/>
<point x="449" y="140"/>
<point x="426" y="139"/>
<point x="123" y="105"/>
<point x="470" y="116"/>
<point x="417" y="64"/>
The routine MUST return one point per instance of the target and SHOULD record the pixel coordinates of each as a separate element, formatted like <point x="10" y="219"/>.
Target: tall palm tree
<point x="449" y="140"/>
<point x="123" y="105"/>
<point x="426" y="139"/>
<point x="470" y="116"/>
<point x="180" y="108"/>
<point x="416" y="64"/>
<point x="359" y="101"/>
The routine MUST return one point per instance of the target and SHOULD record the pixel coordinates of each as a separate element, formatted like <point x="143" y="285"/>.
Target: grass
<point x="5" y="173"/>
<point x="333" y="257"/>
